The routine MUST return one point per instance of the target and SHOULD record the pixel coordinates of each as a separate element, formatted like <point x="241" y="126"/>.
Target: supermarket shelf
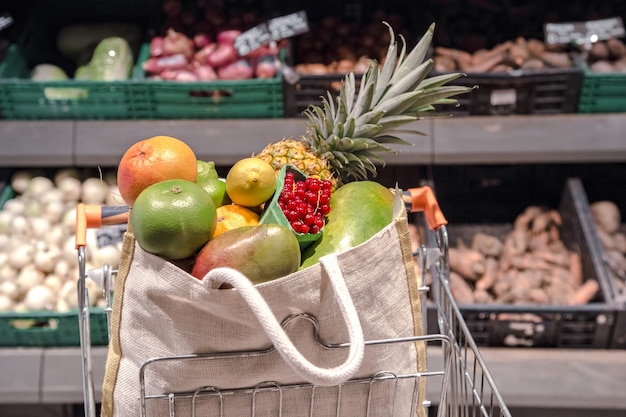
<point x="458" y="140"/>
<point x="550" y="378"/>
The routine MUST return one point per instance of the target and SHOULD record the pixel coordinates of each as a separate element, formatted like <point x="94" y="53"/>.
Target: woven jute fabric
<point x="162" y="311"/>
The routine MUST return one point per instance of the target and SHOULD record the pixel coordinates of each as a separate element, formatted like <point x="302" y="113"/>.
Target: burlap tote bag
<point x="281" y="348"/>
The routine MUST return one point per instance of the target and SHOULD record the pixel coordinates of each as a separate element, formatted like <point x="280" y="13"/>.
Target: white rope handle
<point x="311" y="373"/>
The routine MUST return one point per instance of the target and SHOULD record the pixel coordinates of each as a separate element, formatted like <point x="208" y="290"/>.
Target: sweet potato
<point x="488" y="279"/>
<point x="468" y="263"/>
<point x="486" y="244"/>
<point x="606" y="215"/>
<point x="585" y="293"/>
<point x="460" y="289"/>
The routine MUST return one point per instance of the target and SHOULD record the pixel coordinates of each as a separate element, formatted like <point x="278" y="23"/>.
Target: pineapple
<point x="345" y="136"/>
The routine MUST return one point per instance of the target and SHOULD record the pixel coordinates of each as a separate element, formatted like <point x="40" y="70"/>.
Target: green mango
<point x="262" y="253"/>
<point x="358" y="210"/>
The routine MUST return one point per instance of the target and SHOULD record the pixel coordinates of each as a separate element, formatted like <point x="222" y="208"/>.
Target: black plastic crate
<point x="469" y="209"/>
<point x="310" y="89"/>
<point x="609" y="186"/>
<point x="519" y="92"/>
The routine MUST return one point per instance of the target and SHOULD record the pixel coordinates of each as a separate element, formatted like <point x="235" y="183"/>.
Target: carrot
<point x="468" y="263"/>
<point x="530" y="261"/>
<point x="518" y="52"/>
<point x="585" y="293"/>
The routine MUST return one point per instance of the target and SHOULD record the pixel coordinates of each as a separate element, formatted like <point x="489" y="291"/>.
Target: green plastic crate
<point x="23" y="99"/>
<point x="50" y="329"/>
<point x="602" y="92"/>
<point x="219" y="99"/>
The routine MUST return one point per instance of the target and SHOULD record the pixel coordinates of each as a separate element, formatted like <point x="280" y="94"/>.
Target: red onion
<point x="177" y="43"/>
<point x="228" y="36"/>
<point x="205" y="73"/>
<point x="156" y="46"/>
<point x="266" y="67"/>
<point x="201" y="56"/>
<point x="156" y="65"/>
<point x="201" y="40"/>
<point x="238" y="70"/>
<point x="223" y="55"/>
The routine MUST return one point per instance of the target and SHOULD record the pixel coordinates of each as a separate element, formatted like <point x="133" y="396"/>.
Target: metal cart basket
<point x="463" y="385"/>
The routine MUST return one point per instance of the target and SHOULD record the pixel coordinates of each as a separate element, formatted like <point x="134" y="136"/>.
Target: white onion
<point x="62" y="269"/>
<point x="94" y="191"/>
<point x="65" y="173"/>
<point x="7" y="273"/>
<point x="21" y="256"/>
<point x="69" y="220"/>
<point x="54" y="282"/>
<point x="28" y="277"/>
<point x="32" y="208"/>
<point x="56" y="236"/>
<point x="6" y="303"/>
<point x="38" y="185"/>
<point x="46" y="258"/>
<point x="106" y="255"/>
<point x="114" y="198"/>
<point x="15" y="206"/>
<point x="39" y="297"/>
<point x="39" y="227"/>
<point x="10" y="289"/>
<point x="71" y="188"/>
<point x="69" y="294"/>
<point x="6" y="219"/>
<point x="20" y="180"/>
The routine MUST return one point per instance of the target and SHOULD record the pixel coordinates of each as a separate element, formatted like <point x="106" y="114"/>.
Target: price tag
<point x="6" y="20"/>
<point x="252" y="39"/>
<point x="289" y="25"/>
<point x="110" y="235"/>
<point x="584" y="33"/>
<point x="273" y="30"/>
<point x="503" y="97"/>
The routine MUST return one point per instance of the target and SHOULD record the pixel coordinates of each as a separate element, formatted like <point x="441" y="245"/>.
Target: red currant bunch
<point x="305" y="203"/>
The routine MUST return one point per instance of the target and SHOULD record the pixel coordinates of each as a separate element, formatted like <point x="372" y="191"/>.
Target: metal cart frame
<point x="467" y="386"/>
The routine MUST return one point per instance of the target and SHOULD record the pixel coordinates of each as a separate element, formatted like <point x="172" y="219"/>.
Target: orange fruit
<point x="173" y="219"/>
<point x="250" y="182"/>
<point x="232" y="216"/>
<point x="153" y="160"/>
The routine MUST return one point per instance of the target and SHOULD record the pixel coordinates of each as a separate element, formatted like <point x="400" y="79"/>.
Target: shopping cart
<point x="465" y="387"/>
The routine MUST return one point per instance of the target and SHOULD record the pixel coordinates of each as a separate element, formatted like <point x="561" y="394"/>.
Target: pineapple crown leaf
<point x="371" y="117"/>
<point x="366" y="130"/>
<point x="399" y="103"/>
<point x="434" y="94"/>
<point x="416" y="56"/>
<point x="365" y="96"/>
<point x="412" y="79"/>
<point x="439" y="80"/>
<point x="387" y="138"/>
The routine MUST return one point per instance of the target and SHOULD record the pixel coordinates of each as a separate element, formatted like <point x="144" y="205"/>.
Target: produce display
<point x="607" y="56"/>
<point x="38" y="258"/>
<point x="176" y="57"/>
<point x="607" y="219"/>
<point x="521" y="53"/>
<point x="320" y="182"/>
<point x="528" y="265"/>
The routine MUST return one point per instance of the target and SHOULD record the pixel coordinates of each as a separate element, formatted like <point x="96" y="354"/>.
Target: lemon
<point x="250" y="182"/>
<point x="173" y="219"/>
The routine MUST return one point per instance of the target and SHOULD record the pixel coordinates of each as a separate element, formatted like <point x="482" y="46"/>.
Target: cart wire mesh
<point x="463" y="384"/>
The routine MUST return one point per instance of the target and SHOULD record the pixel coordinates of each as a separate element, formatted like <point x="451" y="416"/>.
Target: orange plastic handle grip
<point x="423" y="199"/>
<point x="90" y="216"/>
